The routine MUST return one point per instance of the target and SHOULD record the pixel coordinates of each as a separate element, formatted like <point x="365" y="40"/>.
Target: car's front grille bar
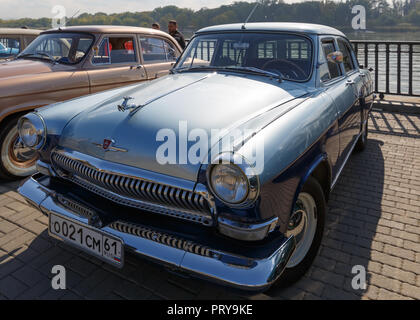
<point x="163" y="238"/>
<point x="134" y="191"/>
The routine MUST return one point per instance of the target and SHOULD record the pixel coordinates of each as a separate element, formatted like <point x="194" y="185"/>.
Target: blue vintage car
<point x="4" y="51"/>
<point x="148" y="169"/>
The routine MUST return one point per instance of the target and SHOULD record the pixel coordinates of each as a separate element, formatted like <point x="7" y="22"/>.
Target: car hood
<point x="20" y="67"/>
<point x="174" y="106"/>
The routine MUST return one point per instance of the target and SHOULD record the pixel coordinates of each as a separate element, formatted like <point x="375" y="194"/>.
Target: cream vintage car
<point x="68" y="63"/>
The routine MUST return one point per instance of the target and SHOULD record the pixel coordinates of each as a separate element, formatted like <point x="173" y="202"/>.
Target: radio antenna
<point x="250" y="15"/>
<point x="73" y="16"/>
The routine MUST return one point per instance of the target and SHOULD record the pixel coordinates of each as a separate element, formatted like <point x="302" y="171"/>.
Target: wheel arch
<point x="5" y="120"/>
<point x="319" y="169"/>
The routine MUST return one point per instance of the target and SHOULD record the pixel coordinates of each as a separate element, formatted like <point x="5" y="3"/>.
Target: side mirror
<point x="335" y="57"/>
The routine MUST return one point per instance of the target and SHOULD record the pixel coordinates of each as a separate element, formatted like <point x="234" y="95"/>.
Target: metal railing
<point x="395" y="64"/>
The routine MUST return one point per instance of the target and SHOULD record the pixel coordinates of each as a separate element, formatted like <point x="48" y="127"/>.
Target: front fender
<point x="321" y="158"/>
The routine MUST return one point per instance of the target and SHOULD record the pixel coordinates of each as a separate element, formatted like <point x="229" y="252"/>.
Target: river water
<point x="394" y="36"/>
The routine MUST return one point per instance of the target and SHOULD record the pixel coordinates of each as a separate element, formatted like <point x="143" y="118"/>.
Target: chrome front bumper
<point x="186" y="256"/>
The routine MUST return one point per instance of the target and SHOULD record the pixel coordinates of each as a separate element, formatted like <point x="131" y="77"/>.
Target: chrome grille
<point x="134" y="191"/>
<point x="163" y="238"/>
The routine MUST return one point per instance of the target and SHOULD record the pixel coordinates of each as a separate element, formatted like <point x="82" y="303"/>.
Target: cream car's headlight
<point x="32" y="131"/>
<point x="229" y="183"/>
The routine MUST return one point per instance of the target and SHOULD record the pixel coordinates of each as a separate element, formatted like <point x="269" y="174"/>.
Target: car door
<point x="115" y="63"/>
<point x="336" y="82"/>
<point x="159" y="55"/>
<point x="351" y="118"/>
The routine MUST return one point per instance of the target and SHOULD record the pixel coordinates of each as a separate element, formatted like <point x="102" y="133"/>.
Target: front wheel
<point x="16" y="161"/>
<point x="306" y="224"/>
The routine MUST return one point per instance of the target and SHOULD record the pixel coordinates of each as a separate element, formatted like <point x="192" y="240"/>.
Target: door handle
<point x="138" y="67"/>
<point x="349" y="82"/>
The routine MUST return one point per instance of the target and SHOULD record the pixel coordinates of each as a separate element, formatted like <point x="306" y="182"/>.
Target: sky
<point x="12" y="9"/>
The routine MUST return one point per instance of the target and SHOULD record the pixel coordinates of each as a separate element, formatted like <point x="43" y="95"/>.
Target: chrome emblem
<point x="124" y="106"/>
<point x="107" y="145"/>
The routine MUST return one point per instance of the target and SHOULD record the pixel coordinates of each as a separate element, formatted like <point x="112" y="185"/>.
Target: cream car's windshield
<point x="67" y="48"/>
<point x="288" y="56"/>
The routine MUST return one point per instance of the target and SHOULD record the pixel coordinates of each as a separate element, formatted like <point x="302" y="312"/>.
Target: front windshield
<point x="286" y="55"/>
<point x="67" y="48"/>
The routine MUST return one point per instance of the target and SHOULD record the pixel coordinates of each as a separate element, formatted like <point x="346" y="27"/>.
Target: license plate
<point x="95" y="242"/>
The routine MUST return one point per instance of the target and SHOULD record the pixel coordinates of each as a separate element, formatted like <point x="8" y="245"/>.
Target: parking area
<point x="373" y="221"/>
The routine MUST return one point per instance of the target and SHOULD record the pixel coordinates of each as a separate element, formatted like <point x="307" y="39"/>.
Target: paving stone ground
<point x="373" y="221"/>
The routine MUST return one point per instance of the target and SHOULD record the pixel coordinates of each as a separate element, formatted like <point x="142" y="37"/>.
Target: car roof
<point x="276" y="26"/>
<point x="23" y="31"/>
<point x="110" y="29"/>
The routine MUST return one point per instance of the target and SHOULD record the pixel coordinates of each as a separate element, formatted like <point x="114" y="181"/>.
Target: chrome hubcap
<point x="302" y="226"/>
<point x="22" y="153"/>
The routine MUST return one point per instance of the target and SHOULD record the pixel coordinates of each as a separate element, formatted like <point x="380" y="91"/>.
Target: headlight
<point x="32" y="131"/>
<point x="231" y="179"/>
<point x="229" y="183"/>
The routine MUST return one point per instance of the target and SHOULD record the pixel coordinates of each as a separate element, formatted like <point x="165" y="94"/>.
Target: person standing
<point x="178" y="36"/>
<point x="156" y="26"/>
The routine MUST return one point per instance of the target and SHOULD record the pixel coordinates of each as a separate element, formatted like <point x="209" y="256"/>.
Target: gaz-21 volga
<point x="118" y="170"/>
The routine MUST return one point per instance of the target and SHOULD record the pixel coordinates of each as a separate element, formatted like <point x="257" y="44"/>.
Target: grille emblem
<point x="107" y="145"/>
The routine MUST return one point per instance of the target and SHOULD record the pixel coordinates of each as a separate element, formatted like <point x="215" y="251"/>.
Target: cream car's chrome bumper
<point x="172" y="251"/>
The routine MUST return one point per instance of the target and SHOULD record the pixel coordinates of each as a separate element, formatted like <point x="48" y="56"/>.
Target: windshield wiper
<point x="176" y="70"/>
<point x="42" y="54"/>
<point x="257" y="71"/>
<point x="253" y="70"/>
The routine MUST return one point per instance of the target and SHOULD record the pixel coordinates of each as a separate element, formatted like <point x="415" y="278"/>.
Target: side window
<point x="9" y="47"/>
<point x="172" y="53"/>
<point x="329" y="70"/>
<point x="347" y="58"/>
<point x="101" y="53"/>
<point x="114" y="50"/>
<point x="157" y="50"/>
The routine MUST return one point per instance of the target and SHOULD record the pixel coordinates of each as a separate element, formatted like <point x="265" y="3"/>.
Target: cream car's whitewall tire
<point x="16" y="160"/>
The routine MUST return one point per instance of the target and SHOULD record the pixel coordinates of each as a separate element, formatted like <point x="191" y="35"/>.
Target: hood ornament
<point x="107" y="145"/>
<point x="124" y="106"/>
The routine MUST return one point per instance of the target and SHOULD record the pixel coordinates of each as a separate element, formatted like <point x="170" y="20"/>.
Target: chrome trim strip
<point x="44" y="168"/>
<point x="184" y="256"/>
<point x="345" y="161"/>
<point x="246" y="231"/>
